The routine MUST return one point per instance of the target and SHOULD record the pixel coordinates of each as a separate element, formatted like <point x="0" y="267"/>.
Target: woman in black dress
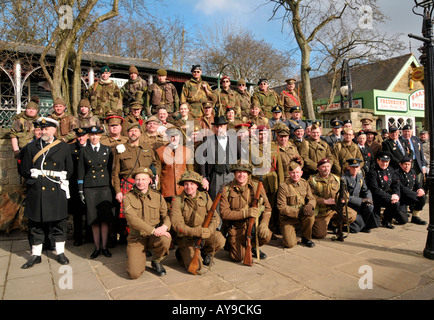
<point x="94" y="172"/>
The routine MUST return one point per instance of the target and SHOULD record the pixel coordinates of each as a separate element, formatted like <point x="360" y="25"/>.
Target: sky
<point x="255" y="15"/>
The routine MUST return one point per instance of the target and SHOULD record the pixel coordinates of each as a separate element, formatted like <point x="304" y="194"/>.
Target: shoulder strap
<point x="47" y="147"/>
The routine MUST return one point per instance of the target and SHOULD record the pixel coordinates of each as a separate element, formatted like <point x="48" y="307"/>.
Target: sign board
<point x="119" y="82"/>
<point x="358" y="103"/>
<point x="391" y="104"/>
<point x="417" y="100"/>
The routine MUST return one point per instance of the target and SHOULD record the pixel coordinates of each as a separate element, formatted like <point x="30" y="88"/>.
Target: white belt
<point x="64" y="184"/>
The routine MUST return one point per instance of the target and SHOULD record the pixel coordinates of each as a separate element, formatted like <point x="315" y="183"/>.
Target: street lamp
<point x="427" y="60"/>
<point x="346" y="85"/>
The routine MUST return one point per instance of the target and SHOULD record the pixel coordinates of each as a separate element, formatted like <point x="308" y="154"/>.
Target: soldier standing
<point x="162" y="93"/>
<point x="85" y="116"/>
<point x="129" y="157"/>
<point x="397" y="147"/>
<point x="255" y="117"/>
<point x="226" y="97"/>
<point x="151" y="135"/>
<point x="134" y="116"/>
<point x="105" y="95"/>
<point x="189" y="210"/>
<point x="367" y="154"/>
<point x="289" y="98"/>
<point x="22" y="126"/>
<point x="196" y="91"/>
<point x="236" y="209"/>
<point x="277" y="120"/>
<point x="385" y="188"/>
<point x="287" y="150"/>
<point x="47" y="166"/>
<point x="312" y="150"/>
<point x="147" y="216"/>
<point x="325" y="186"/>
<point x="344" y="150"/>
<point x="266" y="98"/>
<point x="244" y="98"/>
<point x="113" y="136"/>
<point x="335" y="135"/>
<point x="67" y="123"/>
<point x="296" y="205"/>
<point x="295" y="120"/>
<point x="207" y="118"/>
<point x="134" y="90"/>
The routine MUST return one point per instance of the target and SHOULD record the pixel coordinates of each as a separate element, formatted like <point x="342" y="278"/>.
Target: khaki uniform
<point x="144" y="213"/>
<point x="312" y="152"/>
<point x="104" y="97"/>
<point x="22" y="128"/>
<point x="67" y="124"/>
<point x="292" y="197"/>
<point x="88" y="121"/>
<point x="287" y="154"/>
<point x="133" y="90"/>
<point x="266" y="100"/>
<point x="326" y="188"/>
<point x="234" y="202"/>
<point x="193" y="93"/>
<point x="227" y="98"/>
<point x="342" y="152"/>
<point x="155" y="141"/>
<point x="111" y="142"/>
<point x="258" y="121"/>
<point x="162" y="94"/>
<point x="289" y="100"/>
<point x="129" y="119"/>
<point x="245" y="102"/>
<point x="125" y="162"/>
<point x="187" y="216"/>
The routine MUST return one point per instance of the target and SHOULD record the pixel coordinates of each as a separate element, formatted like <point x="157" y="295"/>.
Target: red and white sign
<point x="390" y="104"/>
<point x="417" y="100"/>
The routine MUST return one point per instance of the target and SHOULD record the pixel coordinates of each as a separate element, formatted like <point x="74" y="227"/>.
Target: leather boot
<point x="158" y="268"/>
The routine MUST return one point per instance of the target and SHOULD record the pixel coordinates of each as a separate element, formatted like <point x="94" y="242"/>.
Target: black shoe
<point x="95" y="253"/>
<point x="308" y="243"/>
<point x="261" y="254"/>
<point x="33" y="260"/>
<point x="62" y="259"/>
<point x="388" y="225"/>
<point x="206" y="259"/>
<point x="148" y="253"/>
<point x="158" y="268"/>
<point x="106" y="253"/>
<point x="418" y="220"/>
<point x="178" y="255"/>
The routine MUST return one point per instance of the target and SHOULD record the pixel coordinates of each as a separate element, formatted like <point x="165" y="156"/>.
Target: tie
<point x="95" y="149"/>
<point x="400" y="147"/>
<point x="412" y="148"/>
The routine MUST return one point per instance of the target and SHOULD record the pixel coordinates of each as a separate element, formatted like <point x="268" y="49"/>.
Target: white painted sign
<point x="391" y="104"/>
<point x="337" y="106"/>
<point x="417" y="100"/>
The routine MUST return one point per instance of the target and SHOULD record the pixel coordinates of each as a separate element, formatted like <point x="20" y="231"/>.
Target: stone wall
<point x="11" y="191"/>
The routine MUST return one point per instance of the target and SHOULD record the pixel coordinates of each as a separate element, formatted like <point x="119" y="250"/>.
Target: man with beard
<point x="85" y="116"/>
<point x="47" y="166"/>
<point x="105" y="95"/>
<point x="67" y="122"/>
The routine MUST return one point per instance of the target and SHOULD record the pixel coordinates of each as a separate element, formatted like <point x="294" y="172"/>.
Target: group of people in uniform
<point x="145" y="166"/>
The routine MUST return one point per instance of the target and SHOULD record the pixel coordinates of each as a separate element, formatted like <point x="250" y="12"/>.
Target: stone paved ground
<point x="329" y="271"/>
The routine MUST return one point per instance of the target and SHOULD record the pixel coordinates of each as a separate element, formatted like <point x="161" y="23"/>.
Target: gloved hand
<point x="251" y="213"/>
<point x="263" y="230"/>
<point x="206" y="233"/>
<point x="81" y="194"/>
<point x="308" y="210"/>
<point x="16" y="154"/>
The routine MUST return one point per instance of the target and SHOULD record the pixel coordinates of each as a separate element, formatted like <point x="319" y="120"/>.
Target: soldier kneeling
<point x="236" y="208"/>
<point x="189" y="210"/>
<point x="146" y="214"/>
<point x="296" y="205"/>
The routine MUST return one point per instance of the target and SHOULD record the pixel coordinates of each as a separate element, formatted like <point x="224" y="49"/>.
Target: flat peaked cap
<point x="79" y="132"/>
<point x="95" y="130"/>
<point x="45" y="122"/>
<point x="295" y="109"/>
<point x="354" y="162"/>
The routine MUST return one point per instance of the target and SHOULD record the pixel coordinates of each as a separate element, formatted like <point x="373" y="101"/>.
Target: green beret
<point x="105" y="69"/>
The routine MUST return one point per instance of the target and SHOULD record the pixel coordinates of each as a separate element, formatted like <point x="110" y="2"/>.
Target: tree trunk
<point x="306" y="90"/>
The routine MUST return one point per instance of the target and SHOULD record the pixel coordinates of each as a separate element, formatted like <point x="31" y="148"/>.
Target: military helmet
<point x="190" y="176"/>
<point x="242" y="166"/>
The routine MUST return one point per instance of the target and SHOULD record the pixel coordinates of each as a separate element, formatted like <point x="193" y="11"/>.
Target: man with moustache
<point x="47" y="166"/>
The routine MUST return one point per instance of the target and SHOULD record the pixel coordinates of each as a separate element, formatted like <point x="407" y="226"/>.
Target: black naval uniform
<point x="409" y="185"/>
<point x="384" y="183"/>
<point x="46" y="202"/>
<point x="360" y="199"/>
<point x="368" y="158"/>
